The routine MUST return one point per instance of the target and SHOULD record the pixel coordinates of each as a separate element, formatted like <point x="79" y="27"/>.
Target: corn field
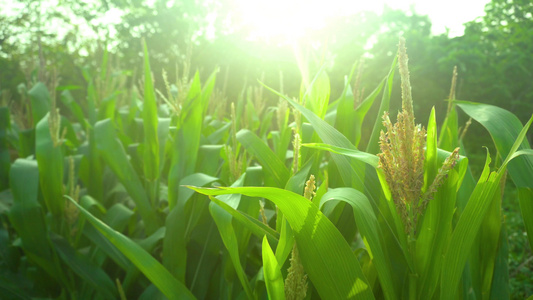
<point x="137" y="193"/>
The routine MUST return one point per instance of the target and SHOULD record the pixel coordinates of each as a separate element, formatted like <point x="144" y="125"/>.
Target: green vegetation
<point x="125" y="182"/>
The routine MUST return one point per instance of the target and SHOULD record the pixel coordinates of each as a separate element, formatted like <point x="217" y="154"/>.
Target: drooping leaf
<point x="371" y="234"/>
<point x="336" y="275"/>
<point x="148" y="265"/>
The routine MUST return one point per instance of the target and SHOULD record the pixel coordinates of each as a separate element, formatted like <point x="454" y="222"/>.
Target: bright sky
<point x="290" y="18"/>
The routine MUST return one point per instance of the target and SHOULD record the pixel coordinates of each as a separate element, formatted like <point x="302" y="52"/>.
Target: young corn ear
<point x="282" y="114"/>
<point x="452" y="90"/>
<point x="234" y="163"/>
<point x="296" y="155"/>
<point x="54" y="123"/>
<point x="357" y="91"/>
<point x="310" y="187"/>
<point x="71" y="211"/>
<point x="296" y="281"/>
<point x="262" y="211"/>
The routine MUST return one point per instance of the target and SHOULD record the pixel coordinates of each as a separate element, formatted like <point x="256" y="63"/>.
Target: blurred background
<point x="491" y="43"/>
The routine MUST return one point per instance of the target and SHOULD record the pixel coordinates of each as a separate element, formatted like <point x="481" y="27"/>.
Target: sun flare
<point x="291" y="19"/>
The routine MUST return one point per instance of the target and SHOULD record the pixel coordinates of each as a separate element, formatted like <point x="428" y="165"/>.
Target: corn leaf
<point x="525" y="197"/>
<point x="186" y="141"/>
<point x="88" y="272"/>
<point x="368" y="158"/>
<point x="504" y="128"/>
<point x="179" y="226"/>
<point x="373" y="145"/>
<point x="5" y="158"/>
<point x="318" y="94"/>
<point x="150" y="122"/>
<point x="272" y="272"/>
<point x="331" y="136"/>
<point x="470" y="221"/>
<point x="467" y="227"/>
<point x="114" y="155"/>
<point x="254" y="225"/>
<point x="326" y="256"/>
<point x="370" y="231"/>
<point x="274" y="169"/>
<point x="27" y="217"/>
<point x="148" y="265"/>
<point x="50" y="161"/>
<point x="40" y="101"/>
<point x="224" y="223"/>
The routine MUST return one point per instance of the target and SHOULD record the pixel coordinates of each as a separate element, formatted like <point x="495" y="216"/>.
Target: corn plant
<point x="133" y="193"/>
<point x="424" y="231"/>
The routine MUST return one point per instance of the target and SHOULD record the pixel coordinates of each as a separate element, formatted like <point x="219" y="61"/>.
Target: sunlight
<point x="290" y="19"/>
<point x="285" y="20"/>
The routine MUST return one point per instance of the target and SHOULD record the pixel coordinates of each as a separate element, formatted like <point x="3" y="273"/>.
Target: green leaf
<point x="489" y="241"/>
<point x="500" y="280"/>
<point x="327" y="258"/>
<point x="368" y="158"/>
<point x="148" y="265"/>
<point x="186" y="141"/>
<point x="87" y="271"/>
<point x="525" y="197"/>
<point x="318" y="94"/>
<point x="470" y="221"/>
<point x="331" y="136"/>
<point x="435" y="229"/>
<point x="114" y="155"/>
<point x="151" y="142"/>
<point x="225" y="227"/>
<point x="274" y="168"/>
<point x="69" y="101"/>
<point x="26" y="143"/>
<point x="254" y="225"/>
<point x="27" y="217"/>
<point x="448" y="136"/>
<point x="286" y="242"/>
<point x="504" y="128"/>
<point x="50" y="161"/>
<point x="430" y="163"/>
<point x="465" y="231"/>
<point x="373" y="145"/>
<point x="272" y="272"/>
<point x="370" y="231"/>
<point x="26" y="214"/>
<point x="40" y="101"/>
<point x="106" y="247"/>
<point x="209" y="85"/>
<point x="179" y="227"/>
<point x="362" y="110"/>
<point x="5" y="157"/>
